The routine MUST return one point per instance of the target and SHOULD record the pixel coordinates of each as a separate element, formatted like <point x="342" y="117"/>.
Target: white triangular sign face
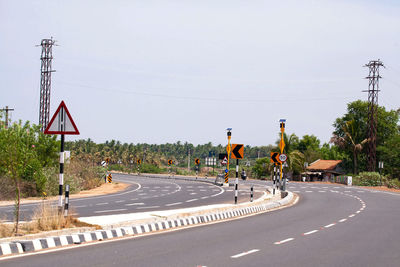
<point x="61" y="122"/>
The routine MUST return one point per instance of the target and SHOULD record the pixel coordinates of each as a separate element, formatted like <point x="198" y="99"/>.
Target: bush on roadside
<point x="369" y="179"/>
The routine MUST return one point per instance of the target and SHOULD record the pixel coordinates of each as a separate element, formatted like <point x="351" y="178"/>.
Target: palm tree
<point x="349" y="140"/>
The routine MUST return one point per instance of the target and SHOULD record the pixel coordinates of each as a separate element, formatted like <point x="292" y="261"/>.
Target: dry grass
<point x="45" y="218"/>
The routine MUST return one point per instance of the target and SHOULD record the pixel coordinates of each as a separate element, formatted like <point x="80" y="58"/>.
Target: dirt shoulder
<point x="98" y="191"/>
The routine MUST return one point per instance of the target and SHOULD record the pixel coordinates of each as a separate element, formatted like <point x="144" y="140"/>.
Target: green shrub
<point x="369" y="179"/>
<point x="393" y="183"/>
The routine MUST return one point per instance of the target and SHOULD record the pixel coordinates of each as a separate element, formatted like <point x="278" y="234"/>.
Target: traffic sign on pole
<point x="197" y="161"/>
<point x="274" y="157"/>
<point x="61" y="122"/>
<point x="237" y="151"/>
<point x="282" y="157"/>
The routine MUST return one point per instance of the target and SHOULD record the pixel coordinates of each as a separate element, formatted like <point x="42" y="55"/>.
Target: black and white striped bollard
<point x="61" y="177"/>
<point x="251" y="194"/>
<point x="274" y="179"/>
<point x="66" y="200"/>
<point x="236" y="180"/>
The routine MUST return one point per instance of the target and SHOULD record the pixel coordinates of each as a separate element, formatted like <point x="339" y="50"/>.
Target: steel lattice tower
<point x="45" y="81"/>
<point x="373" y="89"/>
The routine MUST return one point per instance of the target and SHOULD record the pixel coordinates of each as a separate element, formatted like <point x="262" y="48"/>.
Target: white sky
<point x="163" y="71"/>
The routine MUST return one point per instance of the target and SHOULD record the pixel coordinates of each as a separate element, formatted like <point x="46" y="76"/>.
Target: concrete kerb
<point x="183" y="220"/>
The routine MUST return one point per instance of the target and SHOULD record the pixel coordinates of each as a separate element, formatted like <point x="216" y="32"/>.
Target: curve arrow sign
<point x="237" y="151"/>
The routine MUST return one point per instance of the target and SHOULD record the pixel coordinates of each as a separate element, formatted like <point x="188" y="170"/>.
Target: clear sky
<point x="162" y="71"/>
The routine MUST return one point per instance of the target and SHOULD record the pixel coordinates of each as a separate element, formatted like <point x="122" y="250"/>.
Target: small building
<point x="323" y="170"/>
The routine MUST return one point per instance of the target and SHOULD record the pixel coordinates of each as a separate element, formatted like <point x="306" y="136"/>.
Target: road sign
<point x="139" y="161"/>
<point x="223" y="156"/>
<point x="247" y="163"/>
<point x="104" y="164"/>
<point x="275" y="157"/>
<point x="109" y="178"/>
<point x="282" y="157"/>
<point x="224" y="161"/>
<point x="197" y="161"/>
<point x="226" y="170"/>
<point x="237" y="151"/>
<point x="170" y="161"/>
<point x="61" y="122"/>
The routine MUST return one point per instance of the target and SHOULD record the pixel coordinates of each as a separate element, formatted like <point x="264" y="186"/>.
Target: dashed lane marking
<point x="135" y="204"/>
<point x="311" y="232"/>
<point x="119" y="201"/>
<point x="284" y="241"/>
<point x="329" y="225"/>
<point x="173" y="204"/>
<point x="352" y="215"/>
<point x="191" y="200"/>
<point x="100" y="204"/>
<point x="244" y="253"/>
<point x="343" y="220"/>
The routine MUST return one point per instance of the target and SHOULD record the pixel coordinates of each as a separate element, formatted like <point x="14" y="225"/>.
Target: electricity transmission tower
<point x="373" y="89"/>
<point x="45" y="81"/>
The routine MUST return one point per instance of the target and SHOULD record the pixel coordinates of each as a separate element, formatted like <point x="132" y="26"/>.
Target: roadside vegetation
<point x="29" y="166"/>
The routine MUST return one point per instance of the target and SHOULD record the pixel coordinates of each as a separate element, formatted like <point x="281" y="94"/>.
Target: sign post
<point x="237" y="153"/>
<point x="61" y="123"/>
<point x="282" y="146"/>
<point x="197" y="162"/>
<point x="139" y="161"/>
<point x="228" y="150"/>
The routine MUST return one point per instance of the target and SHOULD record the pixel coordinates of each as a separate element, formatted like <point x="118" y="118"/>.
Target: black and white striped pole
<point x="251" y="194"/>
<point x="236" y="180"/>
<point x="61" y="177"/>
<point x="66" y="206"/>
<point x="274" y="179"/>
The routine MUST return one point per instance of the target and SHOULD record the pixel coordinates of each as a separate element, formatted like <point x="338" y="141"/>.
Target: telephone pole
<point x="6" y="110"/>
<point x="45" y="81"/>
<point x="373" y="89"/>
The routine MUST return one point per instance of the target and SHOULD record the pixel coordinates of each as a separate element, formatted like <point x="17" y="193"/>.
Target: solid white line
<point x="191" y="200"/>
<point x="343" y="220"/>
<point x="244" y="253"/>
<point x="134" y="204"/>
<point x="311" y="232"/>
<point x="283" y="241"/>
<point x="102" y="211"/>
<point x="329" y="225"/>
<point x="173" y="204"/>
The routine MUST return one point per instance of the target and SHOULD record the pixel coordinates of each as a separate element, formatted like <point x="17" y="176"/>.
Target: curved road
<point x="330" y="226"/>
<point x="146" y="194"/>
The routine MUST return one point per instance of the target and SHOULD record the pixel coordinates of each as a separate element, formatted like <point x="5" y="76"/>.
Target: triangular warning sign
<point x="61" y="122"/>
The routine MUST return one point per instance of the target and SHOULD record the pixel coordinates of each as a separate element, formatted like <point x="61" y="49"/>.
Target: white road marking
<point x="205" y="197"/>
<point x="284" y="241"/>
<point x="100" y="204"/>
<point x="79" y="206"/>
<point x="358" y="211"/>
<point x="103" y="211"/>
<point x="311" y="232"/>
<point x="308" y="191"/>
<point x="352" y="215"/>
<point x="329" y="225"/>
<point x="119" y="201"/>
<point x="191" y="200"/>
<point x="134" y="204"/>
<point x="193" y="193"/>
<point x="149" y="207"/>
<point x="173" y="204"/>
<point x="244" y="253"/>
<point x="322" y="191"/>
<point x="343" y="220"/>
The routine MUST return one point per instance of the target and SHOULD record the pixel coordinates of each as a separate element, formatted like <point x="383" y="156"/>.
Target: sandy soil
<point x="98" y="191"/>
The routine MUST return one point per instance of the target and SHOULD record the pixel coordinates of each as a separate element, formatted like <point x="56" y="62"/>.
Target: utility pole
<point x="373" y="89"/>
<point x="45" y="81"/>
<point x="6" y="110"/>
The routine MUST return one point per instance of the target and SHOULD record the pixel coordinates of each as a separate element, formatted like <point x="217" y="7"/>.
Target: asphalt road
<point x="330" y="226"/>
<point x="147" y="194"/>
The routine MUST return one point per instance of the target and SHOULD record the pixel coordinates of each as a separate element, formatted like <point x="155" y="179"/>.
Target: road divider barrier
<point x="23" y="246"/>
